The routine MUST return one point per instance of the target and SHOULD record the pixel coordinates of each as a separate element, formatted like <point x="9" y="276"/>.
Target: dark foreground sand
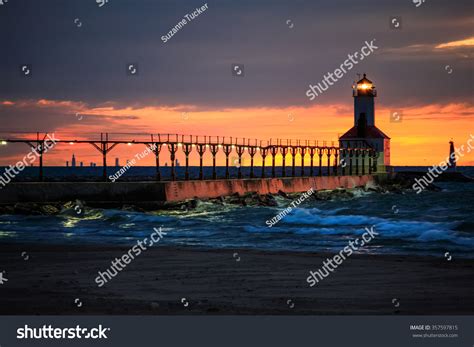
<point x="214" y="282"/>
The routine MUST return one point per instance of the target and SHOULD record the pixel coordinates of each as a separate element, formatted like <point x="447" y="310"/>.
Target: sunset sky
<point x="79" y="85"/>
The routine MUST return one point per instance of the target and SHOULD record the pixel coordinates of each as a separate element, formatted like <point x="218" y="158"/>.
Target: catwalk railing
<point x="355" y="159"/>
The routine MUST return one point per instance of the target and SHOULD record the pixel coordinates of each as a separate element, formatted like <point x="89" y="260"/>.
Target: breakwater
<point x="171" y="191"/>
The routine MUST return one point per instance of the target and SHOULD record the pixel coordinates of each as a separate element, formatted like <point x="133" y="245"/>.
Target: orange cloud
<point x="429" y="51"/>
<point x="421" y="138"/>
<point x="455" y="44"/>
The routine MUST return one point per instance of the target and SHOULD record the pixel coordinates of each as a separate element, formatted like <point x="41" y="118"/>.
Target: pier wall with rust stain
<point x="171" y="191"/>
<point x="182" y="190"/>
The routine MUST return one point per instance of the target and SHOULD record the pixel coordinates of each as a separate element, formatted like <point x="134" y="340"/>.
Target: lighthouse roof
<point x="371" y="132"/>
<point x="364" y="80"/>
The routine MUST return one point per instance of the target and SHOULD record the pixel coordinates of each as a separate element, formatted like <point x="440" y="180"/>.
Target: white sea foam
<point x="317" y="222"/>
<point x="307" y="216"/>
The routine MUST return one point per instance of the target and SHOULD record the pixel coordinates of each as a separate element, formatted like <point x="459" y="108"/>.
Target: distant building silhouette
<point x="73" y="160"/>
<point x="117" y="162"/>
<point x="81" y="163"/>
<point x="67" y="163"/>
<point x="177" y="162"/>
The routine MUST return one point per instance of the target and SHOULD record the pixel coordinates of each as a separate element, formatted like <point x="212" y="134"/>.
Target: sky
<point x="78" y="53"/>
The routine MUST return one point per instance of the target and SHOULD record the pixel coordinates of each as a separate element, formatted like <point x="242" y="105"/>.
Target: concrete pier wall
<point x="169" y="191"/>
<point x="85" y="191"/>
<point x="182" y="190"/>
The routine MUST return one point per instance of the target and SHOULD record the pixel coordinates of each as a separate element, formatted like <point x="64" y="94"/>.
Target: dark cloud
<point x="88" y="63"/>
<point x="51" y="115"/>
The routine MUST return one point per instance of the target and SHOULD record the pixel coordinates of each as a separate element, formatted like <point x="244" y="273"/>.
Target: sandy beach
<point x="187" y="281"/>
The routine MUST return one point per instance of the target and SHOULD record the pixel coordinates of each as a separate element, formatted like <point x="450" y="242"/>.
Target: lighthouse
<point x="452" y="156"/>
<point x="364" y="133"/>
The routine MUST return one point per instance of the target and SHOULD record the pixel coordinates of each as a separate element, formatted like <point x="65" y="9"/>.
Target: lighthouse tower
<point x="364" y="133"/>
<point x="364" y="93"/>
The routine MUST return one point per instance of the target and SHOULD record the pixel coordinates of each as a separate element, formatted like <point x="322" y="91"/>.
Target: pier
<point x="326" y="169"/>
<point x="358" y="157"/>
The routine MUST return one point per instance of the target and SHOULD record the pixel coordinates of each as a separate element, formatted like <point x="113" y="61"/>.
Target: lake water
<point x="430" y="223"/>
